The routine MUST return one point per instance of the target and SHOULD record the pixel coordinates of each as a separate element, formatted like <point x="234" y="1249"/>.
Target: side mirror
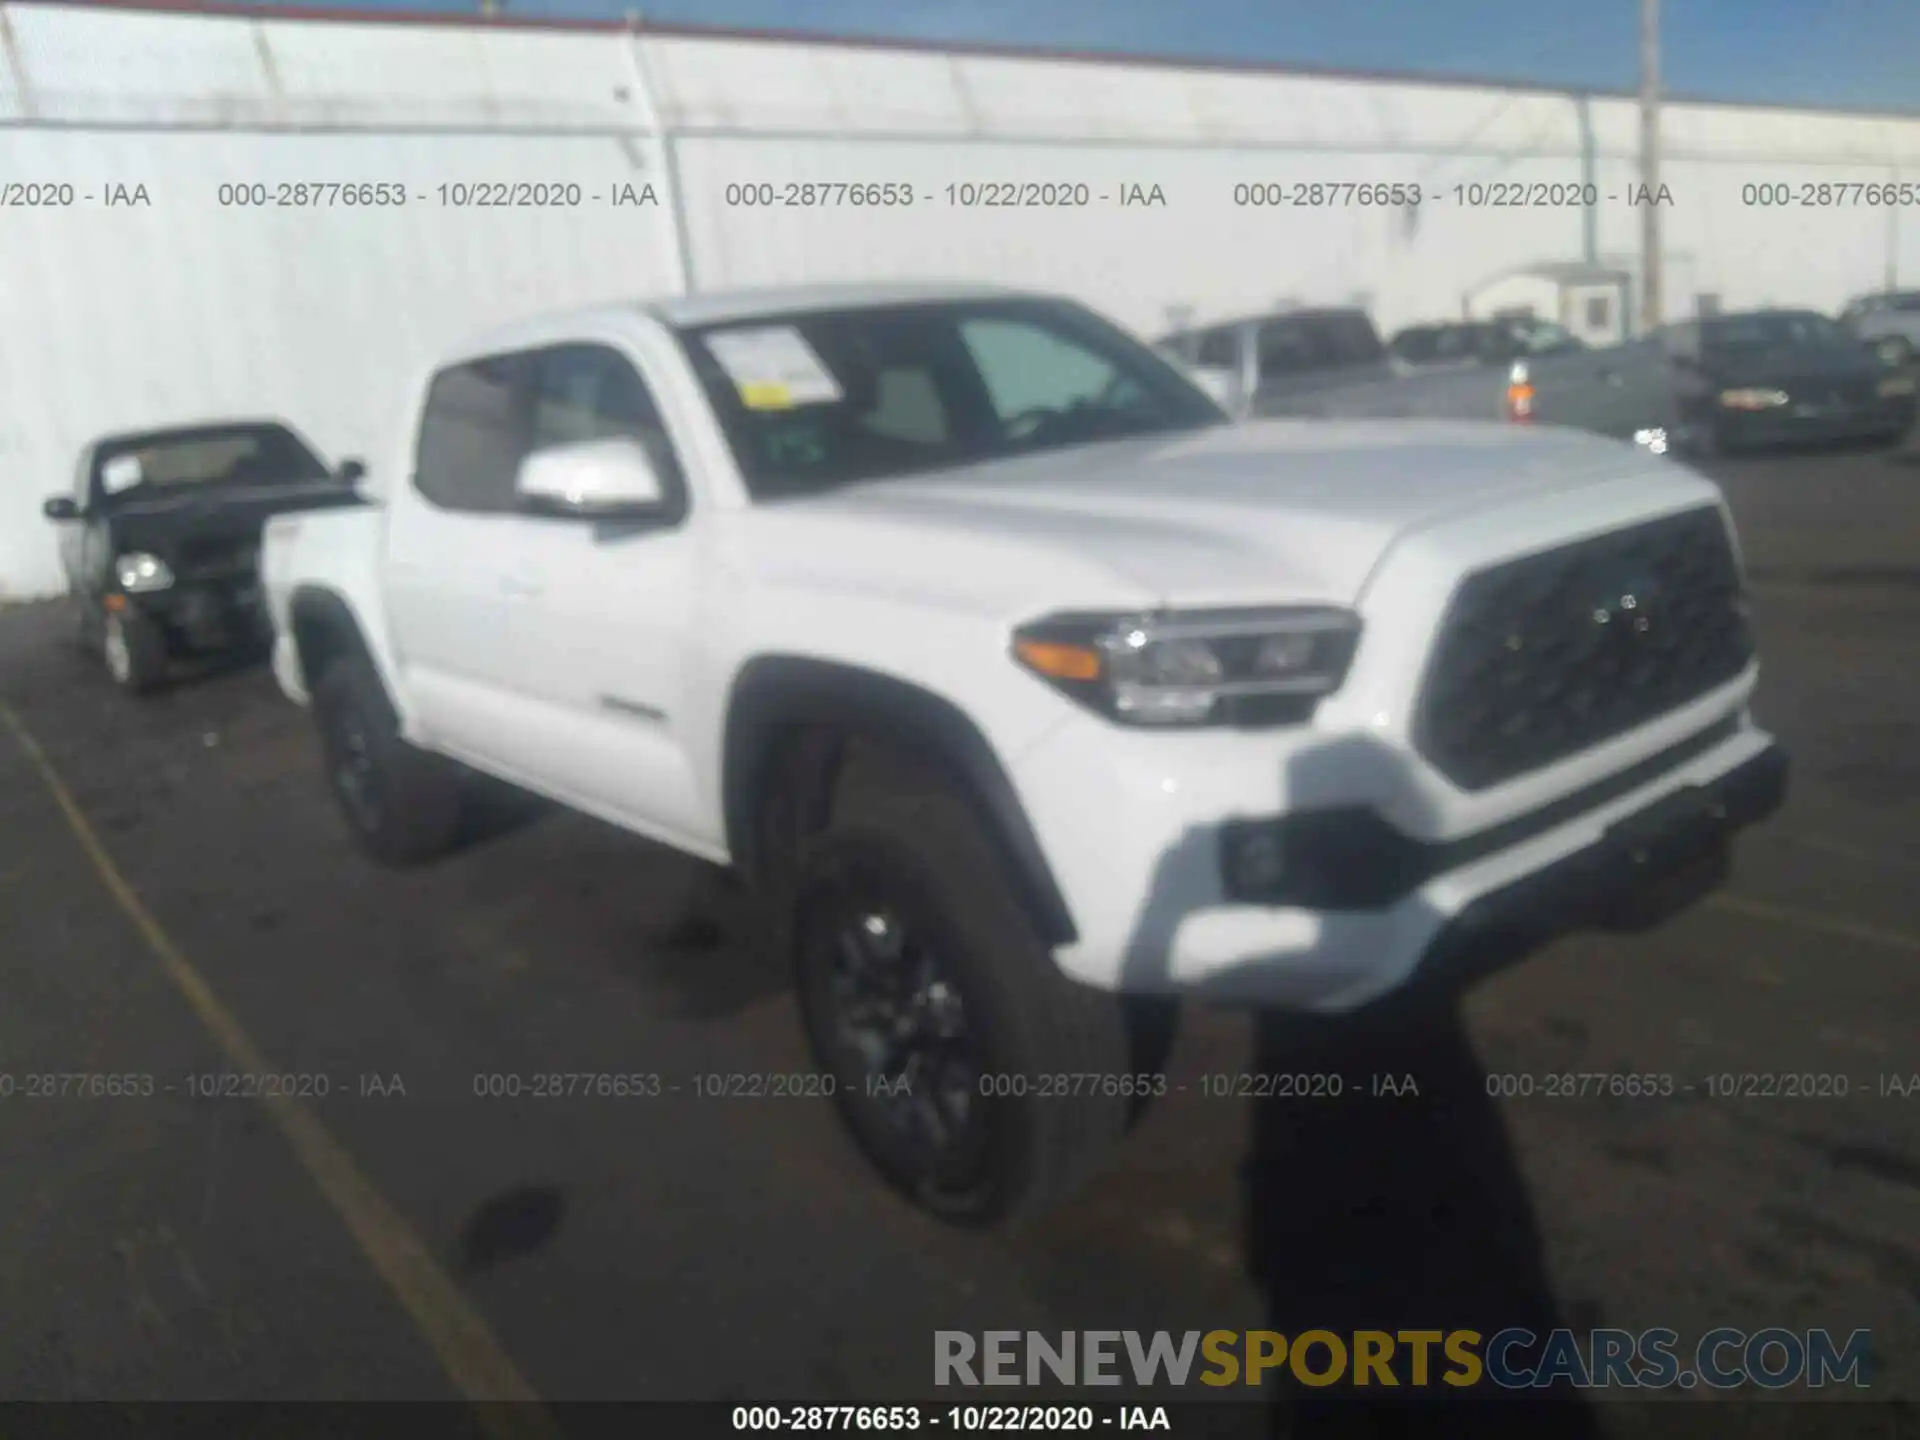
<point x="593" y="479"/>
<point x="351" y="472"/>
<point x="61" y="507"/>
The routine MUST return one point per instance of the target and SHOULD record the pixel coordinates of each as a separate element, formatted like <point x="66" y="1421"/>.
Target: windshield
<point x="229" y="455"/>
<point x="1321" y="340"/>
<point x="814" y="400"/>
<point x="1784" y="329"/>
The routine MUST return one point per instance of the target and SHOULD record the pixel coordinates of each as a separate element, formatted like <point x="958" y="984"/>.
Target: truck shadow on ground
<point x="1395" y="1211"/>
<point x="680" y="930"/>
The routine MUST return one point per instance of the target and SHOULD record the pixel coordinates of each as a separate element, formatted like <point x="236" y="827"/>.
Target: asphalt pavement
<point x="178" y="900"/>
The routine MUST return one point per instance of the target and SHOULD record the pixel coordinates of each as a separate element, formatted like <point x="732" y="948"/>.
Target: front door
<point x="600" y="613"/>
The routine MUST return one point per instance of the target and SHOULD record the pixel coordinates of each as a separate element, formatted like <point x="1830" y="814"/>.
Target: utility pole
<point x="1589" y="177"/>
<point x="1893" y="244"/>
<point x="1650" y="163"/>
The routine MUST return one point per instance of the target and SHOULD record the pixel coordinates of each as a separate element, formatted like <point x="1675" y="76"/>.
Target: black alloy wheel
<point x="401" y="804"/>
<point x="351" y="768"/>
<point x="892" y="1024"/>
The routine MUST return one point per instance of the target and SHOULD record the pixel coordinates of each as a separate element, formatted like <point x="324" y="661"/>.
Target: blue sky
<point x="1821" y="52"/>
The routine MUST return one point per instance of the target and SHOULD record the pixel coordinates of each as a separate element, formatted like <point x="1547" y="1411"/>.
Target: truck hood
<point x="1267" y="512"/>
<point x="193" y="522"/>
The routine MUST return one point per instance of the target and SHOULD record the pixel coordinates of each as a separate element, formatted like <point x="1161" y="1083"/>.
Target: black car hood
<point x="1783" y="368"/>
<point x="194" y="524"/>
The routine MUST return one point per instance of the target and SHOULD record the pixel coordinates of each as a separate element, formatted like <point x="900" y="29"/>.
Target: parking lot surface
<point x="178" y="900"/>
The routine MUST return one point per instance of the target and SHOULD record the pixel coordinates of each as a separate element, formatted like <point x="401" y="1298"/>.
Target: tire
<point x="401" y="804"/>
<point x="918" y="879"/>
<point x="134" y="650"/>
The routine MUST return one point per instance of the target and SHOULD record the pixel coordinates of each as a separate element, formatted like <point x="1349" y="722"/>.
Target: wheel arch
<point x="798" y="710"/>
<point x="323" y="626"/>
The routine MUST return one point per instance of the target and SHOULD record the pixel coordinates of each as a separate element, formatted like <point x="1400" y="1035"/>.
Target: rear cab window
<point x="1295" y="344"/>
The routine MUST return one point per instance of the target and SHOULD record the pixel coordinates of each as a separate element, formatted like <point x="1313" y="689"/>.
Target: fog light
<point x="1257" y="863"/>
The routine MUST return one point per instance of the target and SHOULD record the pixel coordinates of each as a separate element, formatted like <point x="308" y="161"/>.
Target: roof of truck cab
<point x="718" y="307"/>
<point x="721" y="306"/>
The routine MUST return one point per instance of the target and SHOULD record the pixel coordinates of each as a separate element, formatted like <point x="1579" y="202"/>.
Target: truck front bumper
<point x="1322" y="873"/>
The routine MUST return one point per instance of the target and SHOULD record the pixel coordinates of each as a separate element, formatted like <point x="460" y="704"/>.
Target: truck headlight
<point x="1235" y="667"/>
<point x="1752" y="399"/>
<point x="140" y="572"/>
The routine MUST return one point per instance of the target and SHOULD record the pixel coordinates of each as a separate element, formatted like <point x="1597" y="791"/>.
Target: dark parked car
<point x="1331" y="363"/>
<point x="1781" y="376"/>
<point x="160" y="538"/>
<point x="1756" y="378"/>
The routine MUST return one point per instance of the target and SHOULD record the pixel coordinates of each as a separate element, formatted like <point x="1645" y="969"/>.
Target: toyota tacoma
<point x="1022" y="691"/>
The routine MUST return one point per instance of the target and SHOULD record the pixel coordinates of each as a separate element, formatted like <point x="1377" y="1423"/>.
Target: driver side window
<point x="1027" y="369"/>
<point x="473" y="435"/>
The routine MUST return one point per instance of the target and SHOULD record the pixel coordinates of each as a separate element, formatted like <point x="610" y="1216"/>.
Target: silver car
<point x="1889" y="322"/>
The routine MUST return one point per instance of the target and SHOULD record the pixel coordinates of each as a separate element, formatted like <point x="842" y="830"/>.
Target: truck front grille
<point x="1540" y="658"/>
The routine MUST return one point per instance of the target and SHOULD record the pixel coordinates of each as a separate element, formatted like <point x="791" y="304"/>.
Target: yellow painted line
<point x="1824" y="924"/>
<point x="507" y="1406"/>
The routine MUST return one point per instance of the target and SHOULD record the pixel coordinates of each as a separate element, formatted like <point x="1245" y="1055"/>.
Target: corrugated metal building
<point x="142" y="281"/>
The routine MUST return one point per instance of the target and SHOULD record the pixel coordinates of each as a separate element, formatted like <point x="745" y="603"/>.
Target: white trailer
<point x="161" y="262"/>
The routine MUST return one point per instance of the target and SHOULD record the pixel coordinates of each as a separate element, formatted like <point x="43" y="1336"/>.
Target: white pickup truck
<point x="1018" y="686"/>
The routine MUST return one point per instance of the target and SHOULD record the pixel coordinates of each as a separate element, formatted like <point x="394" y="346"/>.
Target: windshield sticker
<point x="774" y="368"/>
<point x="123" y="472"/>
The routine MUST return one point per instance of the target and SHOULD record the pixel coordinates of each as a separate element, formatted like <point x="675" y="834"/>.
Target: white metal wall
<point x="184" y="309"/>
